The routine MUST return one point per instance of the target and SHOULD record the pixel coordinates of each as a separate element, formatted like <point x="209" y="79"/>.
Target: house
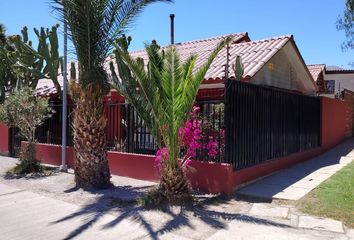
<point x="274" y="62"/>
<point x="277" y="123"/>
<point x="334" y="79"/>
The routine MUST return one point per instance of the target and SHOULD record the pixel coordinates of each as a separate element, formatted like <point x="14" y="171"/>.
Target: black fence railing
<point x="51" y="130"/>
<point x="263" y="123"/>
<point x="212" y="131"/>
<point x="126" y="132"/>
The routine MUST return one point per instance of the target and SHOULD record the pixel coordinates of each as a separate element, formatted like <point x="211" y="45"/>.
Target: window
<point x="330" y="85"/>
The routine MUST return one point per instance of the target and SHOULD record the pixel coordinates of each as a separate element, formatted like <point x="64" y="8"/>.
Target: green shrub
<point x="25" y="111"/>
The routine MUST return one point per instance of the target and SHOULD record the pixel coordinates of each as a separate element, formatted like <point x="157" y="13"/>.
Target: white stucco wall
<point x="342" y="80"/>
<point x="288" y="72"/>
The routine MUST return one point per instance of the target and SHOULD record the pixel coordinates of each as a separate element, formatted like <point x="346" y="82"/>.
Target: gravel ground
<point x="61" y="186"/>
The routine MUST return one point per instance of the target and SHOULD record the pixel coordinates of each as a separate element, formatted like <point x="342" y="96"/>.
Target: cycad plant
<point x="93" y="24"/>
<point x="163" y="94"/>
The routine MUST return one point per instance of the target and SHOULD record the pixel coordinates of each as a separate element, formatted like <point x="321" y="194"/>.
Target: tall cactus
<point x="238" y="68"/>
<point x="30" y="65"/>
<point x="27" y="63"/>
<point x="50" y="53"/>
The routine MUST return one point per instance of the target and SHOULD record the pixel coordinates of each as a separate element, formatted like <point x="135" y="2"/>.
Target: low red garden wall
<point x="4" y="140"/>
<point x="205" y="176"/>
<point x="215" y="177"/>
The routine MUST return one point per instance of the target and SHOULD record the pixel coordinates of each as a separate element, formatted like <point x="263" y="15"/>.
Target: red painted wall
<point x="204" y="176"/>
<point x="248" y="174"/>
<point x="137" y="166"/>
<point x="4" y="140"/>
<point x="333" y="115"/>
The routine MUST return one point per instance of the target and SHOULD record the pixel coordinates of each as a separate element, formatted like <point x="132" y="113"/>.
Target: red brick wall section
<point x="204" y="176"/>
<point x="333" y="115"/>
<point x="4" y="140"/>
<point x="348" y="97"/>
<point x="137" y="166"/>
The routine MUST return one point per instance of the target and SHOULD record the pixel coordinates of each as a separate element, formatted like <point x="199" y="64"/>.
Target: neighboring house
<point x="317" y="72"/>
<point x="335" y="79"/>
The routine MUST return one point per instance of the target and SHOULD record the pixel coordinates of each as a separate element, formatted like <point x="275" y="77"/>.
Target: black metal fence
<point x="212" y="131"/>
<point x="51" y="130"/>
<point x="263" y="123"/>
<point x="126" y="131"/>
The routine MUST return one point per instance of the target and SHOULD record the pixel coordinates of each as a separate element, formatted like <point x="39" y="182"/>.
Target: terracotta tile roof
<point x="316" y="69"/>
<point x="254" y="54"/>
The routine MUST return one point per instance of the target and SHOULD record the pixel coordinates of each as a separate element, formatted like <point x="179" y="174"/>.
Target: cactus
<point x="238" y="68"/>
<point x="27" y="63"/>
<point x="30" y="65"/>
<point x="50" y="53"/>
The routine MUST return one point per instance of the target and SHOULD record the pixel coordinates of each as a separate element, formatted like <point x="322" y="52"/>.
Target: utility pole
<point x="63" y="167"/>
<point x="172" y="17"/>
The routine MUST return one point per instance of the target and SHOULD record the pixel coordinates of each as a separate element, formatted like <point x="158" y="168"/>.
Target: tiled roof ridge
<point x="244" y="34"/>
<point x="315" y="64"/>
<point x="266" y="39"/>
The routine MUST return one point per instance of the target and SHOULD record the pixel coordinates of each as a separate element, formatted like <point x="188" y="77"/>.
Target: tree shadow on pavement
<point x="155" y="221"/>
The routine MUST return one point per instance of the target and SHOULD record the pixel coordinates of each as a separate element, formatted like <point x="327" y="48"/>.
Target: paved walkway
<point x="26" y="215"/>
<point x="295" y="182"/>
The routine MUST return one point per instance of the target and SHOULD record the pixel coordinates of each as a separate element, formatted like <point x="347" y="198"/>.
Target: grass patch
<point x="333" y="198"/>
<point x="20" y="172"/>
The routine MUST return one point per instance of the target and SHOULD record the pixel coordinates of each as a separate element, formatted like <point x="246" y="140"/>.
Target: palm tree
<point x="163" y="94"/>
<point x="2" y="35"/>
<point x="93" y="24"/>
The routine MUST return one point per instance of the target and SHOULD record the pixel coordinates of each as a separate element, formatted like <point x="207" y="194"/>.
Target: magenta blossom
<point x="212" y="148"/>
<point x="161" y="155"/>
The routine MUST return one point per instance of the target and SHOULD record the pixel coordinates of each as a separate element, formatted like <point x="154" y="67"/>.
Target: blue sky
<point x="312" y="22"/>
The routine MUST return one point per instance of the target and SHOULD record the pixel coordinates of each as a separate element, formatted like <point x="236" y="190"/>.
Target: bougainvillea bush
<point x="198" y="138"/>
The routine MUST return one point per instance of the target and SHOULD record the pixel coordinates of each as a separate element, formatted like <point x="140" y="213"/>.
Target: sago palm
<point x="163" y="94"/>
<point x="93" y="24"/>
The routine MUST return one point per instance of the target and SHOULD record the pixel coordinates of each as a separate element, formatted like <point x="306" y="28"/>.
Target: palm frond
<point x="93" y="25"/>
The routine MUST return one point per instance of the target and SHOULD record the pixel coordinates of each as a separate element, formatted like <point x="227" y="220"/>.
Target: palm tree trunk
<point x="175" y="186"/>
<point x="91" y="165"/>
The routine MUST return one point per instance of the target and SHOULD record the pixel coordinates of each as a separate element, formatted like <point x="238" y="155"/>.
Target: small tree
<point x="346" y="23"/>
<point x="26" y="112"/>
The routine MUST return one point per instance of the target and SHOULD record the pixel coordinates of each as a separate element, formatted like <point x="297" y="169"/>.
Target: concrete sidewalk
<point x="295" y="182"/>
<point x="26" y="215"/>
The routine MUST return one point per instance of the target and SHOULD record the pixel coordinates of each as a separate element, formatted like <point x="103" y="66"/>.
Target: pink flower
<point x="161" y="155"/>
<point x="212" y="148"/>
